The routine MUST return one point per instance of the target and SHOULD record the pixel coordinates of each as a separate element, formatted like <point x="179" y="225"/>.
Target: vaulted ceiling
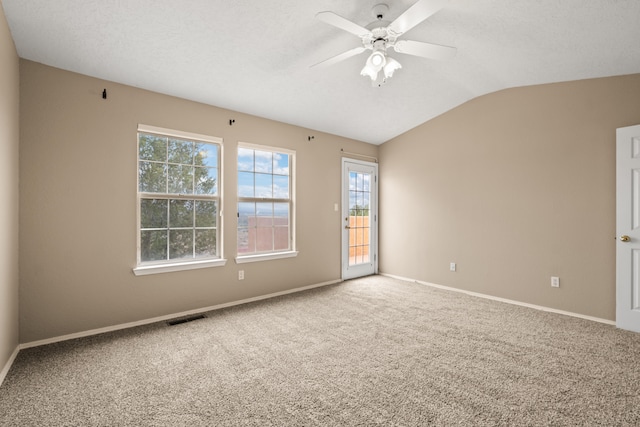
<point x="254" y="56"/>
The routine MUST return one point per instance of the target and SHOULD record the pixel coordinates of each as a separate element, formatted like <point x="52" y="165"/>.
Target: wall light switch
<point x="241" y="275"/>
<point x="555" y="282"/>
<point x="452" y="266"/>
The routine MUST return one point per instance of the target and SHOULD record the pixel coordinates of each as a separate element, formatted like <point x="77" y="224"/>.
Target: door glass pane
<point x="359" y="199"/>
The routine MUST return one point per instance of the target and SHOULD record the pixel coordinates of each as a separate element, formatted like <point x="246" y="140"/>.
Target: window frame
<point x="275" y="254"/>
<point x="169" y="265"/>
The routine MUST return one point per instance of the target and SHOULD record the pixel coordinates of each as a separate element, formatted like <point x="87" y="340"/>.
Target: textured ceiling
<point x="254" y="56"/>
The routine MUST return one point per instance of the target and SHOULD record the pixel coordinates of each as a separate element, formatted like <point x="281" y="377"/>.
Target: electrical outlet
<point x="555" y="282"/>
<point x="240" y="274"/>
<point x="452" y="266"/>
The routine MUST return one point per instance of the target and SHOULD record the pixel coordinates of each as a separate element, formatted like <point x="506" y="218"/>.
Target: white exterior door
<point x="359" y="218"/>
<point x="628" y="228"/>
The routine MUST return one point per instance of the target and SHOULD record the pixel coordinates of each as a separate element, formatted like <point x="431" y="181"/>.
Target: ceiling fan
<point x="381" y="35"/>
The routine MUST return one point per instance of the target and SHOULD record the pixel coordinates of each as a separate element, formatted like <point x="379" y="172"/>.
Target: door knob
<point x="624" y="238"/>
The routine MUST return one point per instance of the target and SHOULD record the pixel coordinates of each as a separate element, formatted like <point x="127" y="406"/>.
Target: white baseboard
<point x="7" y="366"/>
<point x="170" y="316"/>
<point x="508" y="301"/>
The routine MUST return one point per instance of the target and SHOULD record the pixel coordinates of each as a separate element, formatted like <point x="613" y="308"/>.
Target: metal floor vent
<point x="185" y="320"/>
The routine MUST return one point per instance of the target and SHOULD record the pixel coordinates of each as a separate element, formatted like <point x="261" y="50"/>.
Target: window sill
<point x="265" y="257"/>
<point x="177" y="266"/>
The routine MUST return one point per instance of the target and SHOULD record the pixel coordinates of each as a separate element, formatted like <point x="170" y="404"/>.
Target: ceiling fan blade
<point x="426" y="50"/>
<point x="341" y="57"/>
<point x="343" y="23"/>
<point x="417" y="13"/>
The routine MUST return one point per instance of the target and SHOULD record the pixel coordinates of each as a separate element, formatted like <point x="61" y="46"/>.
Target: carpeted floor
<point x="371" y="351"/>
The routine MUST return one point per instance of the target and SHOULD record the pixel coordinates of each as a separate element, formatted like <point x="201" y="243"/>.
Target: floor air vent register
<point x="185" y="320"/>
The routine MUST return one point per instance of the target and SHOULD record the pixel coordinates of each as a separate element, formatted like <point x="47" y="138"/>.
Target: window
<point x="178" y="200"/>
<point x="265" y="203"/>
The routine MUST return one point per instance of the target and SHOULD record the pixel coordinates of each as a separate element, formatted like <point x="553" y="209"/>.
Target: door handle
<point x="346" y="227"/>
<point x="624" y="238"/>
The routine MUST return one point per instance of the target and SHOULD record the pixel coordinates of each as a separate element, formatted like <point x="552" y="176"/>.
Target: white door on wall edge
<point x="359" y="218"/>
<point x="628" y="228"/>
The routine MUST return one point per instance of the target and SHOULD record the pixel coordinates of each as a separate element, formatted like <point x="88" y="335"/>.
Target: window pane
<point x="264" y="240"/>
<point x="153" y="245"/>
<point x="152" y="147"/>
<point x="264" y="161"/>
<point x="180" y="244"/>
<point x="280" y="214"/>
<point x="264" y="185"/>
<point x="180" y="179"/>
<point x="205" y="214"/>
<point x="245" y="159"/>
<point x="280" y="187"/>
<point x="281" y="238"/>
<point x="246" y="214"/>
<point x="173" y="228"/>
<point x="205" y="155"/>
<point x="262" y="226"/>
<point x="205" y="179"/>
<point x="180" y="151"/>
<point x="153" y="213"/>
<point x="280" y="164"/>
<point x="180" y="213"/>
<point x="205" y="242"/>
<point x="243" y="241"/>
<point x="245" y="184"/>
<point x="264" y="214"/>
<point x="153" y="177"/>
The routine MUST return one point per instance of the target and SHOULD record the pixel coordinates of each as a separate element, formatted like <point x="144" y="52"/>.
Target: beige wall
<point x="515" y="187"/>
<point x="9" y="125"/>
<point x="78" y="205"/>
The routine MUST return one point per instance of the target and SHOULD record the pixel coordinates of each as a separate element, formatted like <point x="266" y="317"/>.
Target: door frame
<point x="373" y="216"/>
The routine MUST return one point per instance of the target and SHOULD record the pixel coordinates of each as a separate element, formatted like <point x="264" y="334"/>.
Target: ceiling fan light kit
<point x="380" y="35"/>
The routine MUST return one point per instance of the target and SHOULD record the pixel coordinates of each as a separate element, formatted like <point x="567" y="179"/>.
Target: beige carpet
<point x="372" y="351"/>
